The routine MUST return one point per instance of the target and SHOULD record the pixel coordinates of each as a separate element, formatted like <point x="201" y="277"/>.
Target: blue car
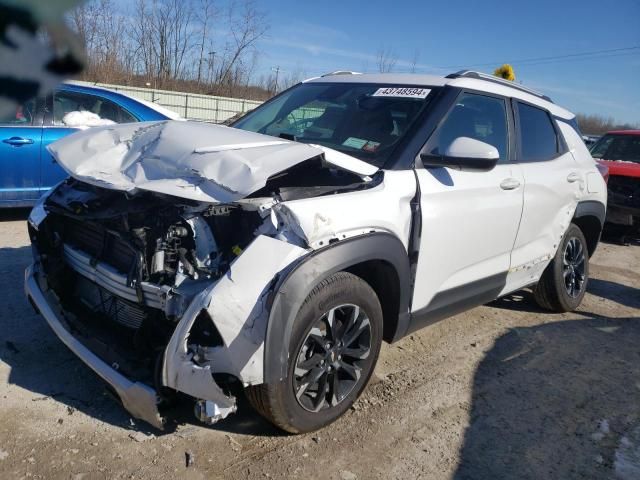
<point x="27" y="170"/>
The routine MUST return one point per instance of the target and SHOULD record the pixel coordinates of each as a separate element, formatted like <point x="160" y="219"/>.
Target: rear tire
<point x="564" y="282"/>
<point x="335" y="342"/>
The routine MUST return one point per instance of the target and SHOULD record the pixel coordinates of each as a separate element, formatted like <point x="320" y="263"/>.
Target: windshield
<point x="365" y="121"/>
<point x="618" y="147"/>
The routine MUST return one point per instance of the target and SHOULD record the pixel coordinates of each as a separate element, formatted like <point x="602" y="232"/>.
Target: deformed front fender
<point x="292" y="289"/>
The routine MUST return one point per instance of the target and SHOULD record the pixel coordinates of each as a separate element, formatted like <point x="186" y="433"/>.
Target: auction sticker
<point x="405" y="92"/>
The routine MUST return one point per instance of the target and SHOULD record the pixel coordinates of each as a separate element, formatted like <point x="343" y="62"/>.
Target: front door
<point x="469" y="219"/>
<point x="20" y="138"/>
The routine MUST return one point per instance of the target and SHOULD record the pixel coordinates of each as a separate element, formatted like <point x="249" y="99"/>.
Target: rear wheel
<point x="334" y="346"/>
<point x="564" y="282"/>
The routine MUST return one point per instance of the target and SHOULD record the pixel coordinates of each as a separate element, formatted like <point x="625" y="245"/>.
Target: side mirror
<point x="466" y="154"/>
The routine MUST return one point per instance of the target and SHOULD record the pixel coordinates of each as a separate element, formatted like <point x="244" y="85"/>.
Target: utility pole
<point x="212" y="59"/>
<point x="277" y="70"/>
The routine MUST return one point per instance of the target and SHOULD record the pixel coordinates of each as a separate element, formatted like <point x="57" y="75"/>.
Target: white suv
<point x="276" y="256"/>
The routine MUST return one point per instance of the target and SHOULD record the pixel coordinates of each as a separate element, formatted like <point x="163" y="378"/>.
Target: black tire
<point x="553" y="292"/>
<point x="278" y="402"/>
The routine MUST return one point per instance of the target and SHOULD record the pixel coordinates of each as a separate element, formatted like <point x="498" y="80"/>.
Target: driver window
<point x="474" y="116"/>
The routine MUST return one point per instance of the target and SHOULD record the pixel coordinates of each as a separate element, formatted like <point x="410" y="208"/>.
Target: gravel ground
<point x="503" y="391"/>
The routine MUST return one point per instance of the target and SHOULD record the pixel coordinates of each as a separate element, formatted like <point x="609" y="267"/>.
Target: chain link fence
<point x="192" y="106"/>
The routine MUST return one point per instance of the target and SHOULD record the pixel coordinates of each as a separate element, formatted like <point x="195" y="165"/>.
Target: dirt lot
<point x="503" y="391"/>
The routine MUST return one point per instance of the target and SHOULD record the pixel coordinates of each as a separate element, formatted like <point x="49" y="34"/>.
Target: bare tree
<point x="386" y="60"/>
<point x="207" y="13"/>
<point x="102" y="32"/>
<point x="247" y="26"/>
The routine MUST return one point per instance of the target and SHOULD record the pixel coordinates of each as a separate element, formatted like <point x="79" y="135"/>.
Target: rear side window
<point x="77" y="109"/>
<point x="538" y="139"/>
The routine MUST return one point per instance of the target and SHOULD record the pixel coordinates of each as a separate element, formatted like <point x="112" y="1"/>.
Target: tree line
<point x="598" y="124"/>
<point x="200" y="46"/>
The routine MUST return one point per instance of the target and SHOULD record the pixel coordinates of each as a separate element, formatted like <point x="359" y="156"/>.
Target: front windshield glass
<point x="365" y="121"/>
<point x="618" y="147"/>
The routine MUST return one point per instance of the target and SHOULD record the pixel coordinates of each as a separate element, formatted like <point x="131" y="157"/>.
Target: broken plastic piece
<point x="209" y="412"/>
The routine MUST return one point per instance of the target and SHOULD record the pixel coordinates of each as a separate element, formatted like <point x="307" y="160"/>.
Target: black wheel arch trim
<point x="590" y="217"/>
<point x="591" y="208"/>
<point x="292" y="289"/>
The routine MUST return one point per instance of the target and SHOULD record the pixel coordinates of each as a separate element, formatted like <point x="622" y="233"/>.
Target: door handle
<point x="573" y="177"/>
<point x="509" y="184"/>
<point x="17" y="141"/>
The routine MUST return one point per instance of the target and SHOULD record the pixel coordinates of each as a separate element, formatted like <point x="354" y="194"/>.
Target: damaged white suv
<point x="276" y="256"/>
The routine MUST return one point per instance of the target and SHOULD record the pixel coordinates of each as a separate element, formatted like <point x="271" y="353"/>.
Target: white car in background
<point x="276" y="256"/>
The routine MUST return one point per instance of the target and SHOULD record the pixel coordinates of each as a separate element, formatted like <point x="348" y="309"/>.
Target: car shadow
<point x="40" y="363"/>
<point x="554" y="401"/>
<point x="622" y="294"/>
<point x="14" y="214"/>
<point x="520" y="301"/>
<point x="523" y="300"/>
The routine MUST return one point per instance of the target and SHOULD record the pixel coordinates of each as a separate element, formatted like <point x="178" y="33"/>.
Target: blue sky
<point x="320" y="36"/>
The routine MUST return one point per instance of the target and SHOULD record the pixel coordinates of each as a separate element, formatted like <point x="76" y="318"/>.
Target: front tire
<point x="564" y="282"/>
<point x="335" y="342"/>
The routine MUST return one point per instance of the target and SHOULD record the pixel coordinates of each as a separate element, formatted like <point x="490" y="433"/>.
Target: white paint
<point x="465" y="147"/>
<point x="237" y="146"/>
<point x="198" y="161"/>
<point x="382" y="208"/>
<point x="550" y="200"/>
<point x="347" y="162"/>
<point x="236" y="303"/>
<point x="469" y="225"/>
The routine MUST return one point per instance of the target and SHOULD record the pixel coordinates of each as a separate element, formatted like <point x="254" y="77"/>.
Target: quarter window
<point x="538" y="138"/>
<point x="474" y="116"/>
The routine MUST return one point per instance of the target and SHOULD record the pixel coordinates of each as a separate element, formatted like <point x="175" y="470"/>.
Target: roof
<point x="395" y="78"/>
<point x="624" y="132"/>
<point x="413" y="79"/>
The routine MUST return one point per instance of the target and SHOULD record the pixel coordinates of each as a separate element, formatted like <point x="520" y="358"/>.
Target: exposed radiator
<point x="102" y="302"/>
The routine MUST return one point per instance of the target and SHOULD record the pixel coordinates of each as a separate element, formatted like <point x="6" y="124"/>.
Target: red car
<point x="619" y="151"/>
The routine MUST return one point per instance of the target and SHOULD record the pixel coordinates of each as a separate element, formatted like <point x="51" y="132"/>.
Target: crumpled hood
<point x="198" y="161"/>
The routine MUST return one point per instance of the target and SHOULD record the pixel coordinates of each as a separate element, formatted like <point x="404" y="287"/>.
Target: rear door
<point x="469" y="219"/>
<point x="553" y="184"/>
<point x="20" y="138"/>
<point x="65" y="111"/>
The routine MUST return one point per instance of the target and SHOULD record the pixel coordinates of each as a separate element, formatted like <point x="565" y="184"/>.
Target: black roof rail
<point x="494" y="79"/>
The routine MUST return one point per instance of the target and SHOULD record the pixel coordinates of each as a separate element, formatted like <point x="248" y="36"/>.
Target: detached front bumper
<point x="139" y="399"/>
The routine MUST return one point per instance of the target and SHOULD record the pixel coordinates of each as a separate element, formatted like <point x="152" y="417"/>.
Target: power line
<point x="595" y="57"/>
<point x="546" y="59"/>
